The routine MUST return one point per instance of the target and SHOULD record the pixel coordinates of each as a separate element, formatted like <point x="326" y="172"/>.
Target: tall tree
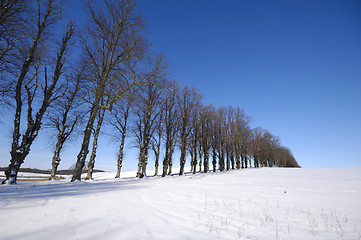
<point x="256" y="146"/>
<point x="113" y="39"/>
<point x="147" y="110"/>
<point x="194" y="143"/>
<point x="29" y="79"/>
<point x="186" y="102"/>
<point x="221" y="127"/>
<point x="206" y="135"/>
<point x="170" y="118"/>
<point x="157" y="139"/>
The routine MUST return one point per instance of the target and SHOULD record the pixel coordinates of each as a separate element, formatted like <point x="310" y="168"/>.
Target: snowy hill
<point x="260" y="203"/>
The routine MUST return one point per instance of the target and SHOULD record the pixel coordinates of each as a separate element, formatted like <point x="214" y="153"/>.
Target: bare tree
<point x="50" y="86"/>
<point x="147" y="110"/>
<point x="171" y="128"/>
<point x="220" y="129"/>
<point x="64" y="116"/>
<point x="186" y="102"/>
<point x="120" y="116"/>
<point x="194" y="143"/>
<point x="100" y="120"/>
<point x="262" y="147"/>
<point x="157" y="139"/>
<point x="284" y="157"/>
<point x="229" y="132"/>
<point x="256" y="146"/>
<point x="241" y="137"/>
<point x="206" y="134"/>
<point x="246" y="138"/>
<point x="112" y="42"/>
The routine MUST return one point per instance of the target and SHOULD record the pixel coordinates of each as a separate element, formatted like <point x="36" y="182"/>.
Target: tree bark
<point x="170" y="163"/>
<point x="56" y="157"/>
<point x="245" y="161"/>
<point x="95" y="145"/>
<point x="183" y="157"/>
<point x="206" y="161"/>
<point x="214" y="162"/>
<point x="238" y="160"/>
<point x="120" y="156"/>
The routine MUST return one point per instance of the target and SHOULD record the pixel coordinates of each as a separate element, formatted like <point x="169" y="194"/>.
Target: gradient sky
<point x="294" y="66"/>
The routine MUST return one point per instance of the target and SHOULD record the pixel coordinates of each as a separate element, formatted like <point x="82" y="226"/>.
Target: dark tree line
<point x="115" y="81"/>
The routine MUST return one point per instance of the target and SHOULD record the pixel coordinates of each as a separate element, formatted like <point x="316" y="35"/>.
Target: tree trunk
<point x="242" y="161"/>
<point x="156" y="165"/>
<point x="157" y="153"/>
<point x="232" y="160"/>
<point x="56" y="157"/>
<point x="200" y="160"/>
<point x="120" y="156"/>
<point x="17" y="158"/>
<point x="183" y="157"/>
<point x="214" y="160"/>
<point x="165" y="163"/>
<point x="221" y="160"/>
<point x="85" y="145"/>
<point x="95" y="146"/>
<point x="228" y="160"/>
<point x="192" y="162"/>
<point x="245" y="161"/>
<point x="170" y="163"/>
<point x="144" y="164"/>
<point x="88" y="130"/>
<point x="195" y="161"/>
<point x="140" y="162"/>
<point x="206" y="161"/>
<point x="238" y="160"/>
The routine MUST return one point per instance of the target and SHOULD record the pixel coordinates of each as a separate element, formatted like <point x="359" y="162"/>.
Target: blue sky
<point x="294" y="66"/>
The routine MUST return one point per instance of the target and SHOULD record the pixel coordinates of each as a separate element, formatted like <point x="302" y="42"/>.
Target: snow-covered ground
<point x="242" y="204"/>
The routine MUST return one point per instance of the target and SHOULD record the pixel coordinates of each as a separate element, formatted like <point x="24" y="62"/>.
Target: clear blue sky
<point x="294" y="66"/>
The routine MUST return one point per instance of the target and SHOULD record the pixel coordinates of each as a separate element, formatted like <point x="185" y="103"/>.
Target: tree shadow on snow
<point x="58" y="190"/>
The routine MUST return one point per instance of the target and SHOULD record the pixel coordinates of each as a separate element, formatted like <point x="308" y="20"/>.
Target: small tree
<point x="64" y="116"/>
<point x="120" y="117"/>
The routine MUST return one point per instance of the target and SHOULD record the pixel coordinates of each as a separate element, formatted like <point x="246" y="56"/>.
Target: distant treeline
<point x="74" y="80"/>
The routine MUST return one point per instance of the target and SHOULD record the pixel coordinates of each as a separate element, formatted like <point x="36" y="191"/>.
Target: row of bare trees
<point x="78" y="79"/>
<point x="165" y="117"/>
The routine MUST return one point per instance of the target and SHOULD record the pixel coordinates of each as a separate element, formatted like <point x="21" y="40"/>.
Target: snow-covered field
<point x="242" y="204"/>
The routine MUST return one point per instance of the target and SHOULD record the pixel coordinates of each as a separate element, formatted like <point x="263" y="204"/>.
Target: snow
<point x="264" y="203"/>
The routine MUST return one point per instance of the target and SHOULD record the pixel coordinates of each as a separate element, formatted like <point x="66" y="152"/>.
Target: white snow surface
<point x="264" y="203"/>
